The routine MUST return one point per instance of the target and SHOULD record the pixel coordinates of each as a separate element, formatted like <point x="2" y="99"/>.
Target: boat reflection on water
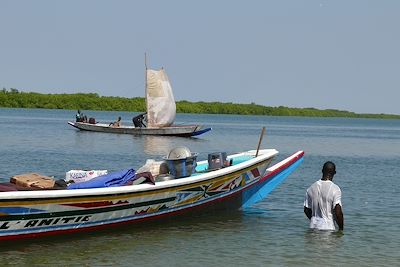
<point x="157" y="145"/>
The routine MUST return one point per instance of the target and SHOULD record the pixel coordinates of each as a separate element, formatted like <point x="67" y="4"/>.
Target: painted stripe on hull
<point x="234" y="199"/>
<point x="84" y="211"/>
<point x="110" y="197"/>
<point x="224" y="201"/>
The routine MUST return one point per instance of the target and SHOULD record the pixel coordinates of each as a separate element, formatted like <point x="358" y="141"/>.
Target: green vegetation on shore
<point x="15" y="99"/>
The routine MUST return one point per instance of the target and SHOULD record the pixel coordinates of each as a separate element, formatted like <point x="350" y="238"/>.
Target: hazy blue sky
<point x="323" y="54"/>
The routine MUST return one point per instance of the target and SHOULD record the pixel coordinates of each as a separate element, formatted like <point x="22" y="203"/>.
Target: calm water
<point x="272" y="233"/>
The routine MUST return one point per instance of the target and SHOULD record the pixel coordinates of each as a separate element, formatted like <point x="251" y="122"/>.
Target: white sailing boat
<point x="160" y="102"/>
<point x="160" y="115"/>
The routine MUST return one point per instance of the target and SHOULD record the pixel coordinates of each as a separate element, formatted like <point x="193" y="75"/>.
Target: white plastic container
<point x="78" y="176"/>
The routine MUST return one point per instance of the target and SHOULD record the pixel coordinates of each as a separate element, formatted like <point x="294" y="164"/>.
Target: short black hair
<point x="329" y="168"/>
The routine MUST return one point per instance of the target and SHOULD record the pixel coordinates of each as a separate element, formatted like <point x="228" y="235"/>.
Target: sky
<point x="324" y="54"/>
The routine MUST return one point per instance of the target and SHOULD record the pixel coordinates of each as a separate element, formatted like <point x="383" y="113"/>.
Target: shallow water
<point x="274" y="232"/>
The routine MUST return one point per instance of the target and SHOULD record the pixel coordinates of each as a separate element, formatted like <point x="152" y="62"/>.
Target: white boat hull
<point x="178" y="130"/>
<point x="44" y="212"/>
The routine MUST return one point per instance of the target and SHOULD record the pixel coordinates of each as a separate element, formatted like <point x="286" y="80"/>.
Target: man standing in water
<point x="322" y="203"/>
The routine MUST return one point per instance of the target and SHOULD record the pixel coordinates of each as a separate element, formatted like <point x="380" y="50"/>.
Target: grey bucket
<point x="182" y="167"/>
<point x="181" y="162"/>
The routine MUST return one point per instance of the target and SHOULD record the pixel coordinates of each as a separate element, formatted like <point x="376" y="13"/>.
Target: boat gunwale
<point x="174" y="130"/>
<point x="105" y="125"/>
<point x="264" y="155"/>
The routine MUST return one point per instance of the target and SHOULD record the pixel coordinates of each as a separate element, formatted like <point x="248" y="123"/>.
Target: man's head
<point x="329" y="169"/>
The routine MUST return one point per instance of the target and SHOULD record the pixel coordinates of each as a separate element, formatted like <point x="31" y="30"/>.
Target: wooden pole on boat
<point x="260" y="140"/>
<point x="145" y="80"/>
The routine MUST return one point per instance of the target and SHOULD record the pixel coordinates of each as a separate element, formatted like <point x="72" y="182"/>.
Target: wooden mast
<point x="145" y="69"/>
<point x="145" y="80"/>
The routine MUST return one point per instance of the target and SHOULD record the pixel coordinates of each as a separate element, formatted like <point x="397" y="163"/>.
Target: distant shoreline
<point x="91" y="101"/>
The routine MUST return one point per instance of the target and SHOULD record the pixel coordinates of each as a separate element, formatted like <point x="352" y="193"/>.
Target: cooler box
<point x="34" y="180"/>
<point x="78" y="176"/>
<point x="217" y="160"/>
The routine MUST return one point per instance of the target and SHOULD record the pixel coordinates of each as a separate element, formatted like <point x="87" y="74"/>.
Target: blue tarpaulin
<point x="108" y="180"/>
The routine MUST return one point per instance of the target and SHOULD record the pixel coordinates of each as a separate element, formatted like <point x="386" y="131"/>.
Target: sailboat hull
<point x="179" y="130"/>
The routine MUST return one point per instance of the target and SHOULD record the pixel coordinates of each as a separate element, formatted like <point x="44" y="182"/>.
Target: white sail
<point x="161" y="108"/>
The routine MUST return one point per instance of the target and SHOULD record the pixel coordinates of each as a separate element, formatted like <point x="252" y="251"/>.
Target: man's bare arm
<point x="339" y="216"/>
<point x="308" y="212"/>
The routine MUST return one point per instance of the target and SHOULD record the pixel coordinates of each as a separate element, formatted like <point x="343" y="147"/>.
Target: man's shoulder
<point x="336" y="187"/>
<point x="316" y="183"/>
<point x="333" y="184"/>
<point x="313" y="185"/>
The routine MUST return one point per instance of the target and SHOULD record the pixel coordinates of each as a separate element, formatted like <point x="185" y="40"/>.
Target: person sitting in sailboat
<point x="80" y="117"/>
<point x="116" y="123"/>
<point x="138" y="120"/>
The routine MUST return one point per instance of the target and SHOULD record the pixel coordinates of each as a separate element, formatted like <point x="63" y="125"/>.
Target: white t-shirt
<point x="322" y="197"/>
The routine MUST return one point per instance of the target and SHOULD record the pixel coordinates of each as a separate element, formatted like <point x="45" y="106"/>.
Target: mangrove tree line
<point x="15" y="99"/>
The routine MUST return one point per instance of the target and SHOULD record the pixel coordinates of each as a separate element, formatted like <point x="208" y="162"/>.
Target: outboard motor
<point x="217" y="161"/>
